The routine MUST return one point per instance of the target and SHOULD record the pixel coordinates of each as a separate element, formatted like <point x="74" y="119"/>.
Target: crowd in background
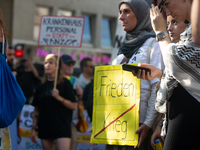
<point x="171" y="30"/>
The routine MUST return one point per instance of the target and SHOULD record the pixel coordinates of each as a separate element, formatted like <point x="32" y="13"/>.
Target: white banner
<point x="27" y="144"/>
<point x="61" y="31"/>
<point x="25" y="125"/>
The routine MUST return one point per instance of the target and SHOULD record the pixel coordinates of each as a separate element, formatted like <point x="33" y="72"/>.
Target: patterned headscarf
<point x="135" y="38"/>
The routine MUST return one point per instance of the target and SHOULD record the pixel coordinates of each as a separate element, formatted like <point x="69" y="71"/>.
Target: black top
<point x="54" y="118"/>
<point x="26" y="81"/>
<point x="183" y="121"/>
<point x="88" y="98"/>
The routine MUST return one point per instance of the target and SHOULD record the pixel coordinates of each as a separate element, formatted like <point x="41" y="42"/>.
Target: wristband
<point x="62" y="100"/>
<point x="159" y="124"/>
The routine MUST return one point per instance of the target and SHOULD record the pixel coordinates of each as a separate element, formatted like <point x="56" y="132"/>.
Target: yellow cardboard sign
<point x="115" y="107"/>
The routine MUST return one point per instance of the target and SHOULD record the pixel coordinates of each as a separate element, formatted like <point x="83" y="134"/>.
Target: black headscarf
<point x="143" y="30"/>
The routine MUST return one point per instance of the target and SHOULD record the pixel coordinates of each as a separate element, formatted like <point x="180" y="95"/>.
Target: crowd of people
<point x="164" y="38"/>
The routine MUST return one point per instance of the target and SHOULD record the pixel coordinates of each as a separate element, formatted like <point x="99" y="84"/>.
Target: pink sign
<point x="105" y="59"/>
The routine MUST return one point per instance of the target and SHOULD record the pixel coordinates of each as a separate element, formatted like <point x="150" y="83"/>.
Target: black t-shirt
<point x="54" y="118"/>
<point x="26" y="81"/>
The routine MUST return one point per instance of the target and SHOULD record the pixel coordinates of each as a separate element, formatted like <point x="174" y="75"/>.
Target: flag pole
<point x="55" y="81"/>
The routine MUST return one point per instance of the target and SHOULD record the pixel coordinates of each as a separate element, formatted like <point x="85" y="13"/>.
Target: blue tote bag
<point x="12" y="98"/>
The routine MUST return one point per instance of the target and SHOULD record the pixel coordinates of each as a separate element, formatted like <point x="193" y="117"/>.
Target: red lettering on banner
<point x="48" y="35"/>
<point x="60" y="35"/>
<point x="72" y="36"/>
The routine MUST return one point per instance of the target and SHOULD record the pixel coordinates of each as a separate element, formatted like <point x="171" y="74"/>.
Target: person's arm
<point x="79" y="92"/>
<point x="151" y="111"/>
<point x="159" y="25"/>
<point x="35" y="120"/>
<point x="155" y="72"/>
<point x="150" y="117"/>
<point x="65" y="102"/>
<point x="34" y="70"/>
<point x="157" y="132"/>
<point x="195" y="21"/>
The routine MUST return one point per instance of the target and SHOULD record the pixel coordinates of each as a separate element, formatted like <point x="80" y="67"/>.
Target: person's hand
<point x="79" y="90"/>
<point x="14" y="73"/>
<point x="143" y="130"/>
<point x="157" y="20"/>
<point x="55" y="94"/>
<point x="29" y="62"/>
<point x="92" y="144"/>
<point x="155" y="73"/>
<point x="155" y="135"/>
<point x="33" y="134"/>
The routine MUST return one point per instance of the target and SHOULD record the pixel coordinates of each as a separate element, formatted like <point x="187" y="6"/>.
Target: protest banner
<point x="25" y="125"/>
<point x="61" y="31"/>
<point x="116" y="106"/>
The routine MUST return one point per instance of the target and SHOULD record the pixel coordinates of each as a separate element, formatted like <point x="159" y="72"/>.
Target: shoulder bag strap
<point x="149" y="51"/>
<point x="148" y="61"/>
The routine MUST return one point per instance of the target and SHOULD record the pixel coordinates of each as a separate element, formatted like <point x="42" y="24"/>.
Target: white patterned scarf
<point x="182" y="65"/>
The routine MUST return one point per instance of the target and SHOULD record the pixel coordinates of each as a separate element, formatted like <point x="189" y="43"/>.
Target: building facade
<point x="22" y="18"/>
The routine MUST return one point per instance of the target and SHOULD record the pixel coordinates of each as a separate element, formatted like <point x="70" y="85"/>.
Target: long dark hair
<point x="3" y="25"/>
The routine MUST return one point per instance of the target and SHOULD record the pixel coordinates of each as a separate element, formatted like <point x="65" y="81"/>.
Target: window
<point x="64" y="13"/>
<point x="87" y="36"/>
<point x="106" y="40"/>
<point x="39" y="12"/>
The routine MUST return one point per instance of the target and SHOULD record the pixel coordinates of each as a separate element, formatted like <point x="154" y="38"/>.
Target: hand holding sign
<point x="61" y="31"/>
<point x="116" y="100"/>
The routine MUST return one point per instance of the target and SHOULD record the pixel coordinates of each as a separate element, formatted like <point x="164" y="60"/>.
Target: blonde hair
<point x="60" y="70"/>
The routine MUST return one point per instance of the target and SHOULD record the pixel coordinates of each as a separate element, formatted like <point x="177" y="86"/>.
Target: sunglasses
<point x="91" y="67"/>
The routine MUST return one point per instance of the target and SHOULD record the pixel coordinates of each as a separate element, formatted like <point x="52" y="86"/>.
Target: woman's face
<point x="178" y="9"/>
<point x="127" y="17"/>
<point x="175" y="28"/>
<point x="50" y="67"/>
<point x="68" y="68"/>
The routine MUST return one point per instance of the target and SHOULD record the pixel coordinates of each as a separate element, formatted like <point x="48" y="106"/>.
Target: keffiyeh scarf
<point x="182" y="62"/>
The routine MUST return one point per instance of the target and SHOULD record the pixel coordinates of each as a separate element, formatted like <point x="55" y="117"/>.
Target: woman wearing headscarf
<point x="53" y="107"/>
<point x="135" y="20"/>
<point x="181" y="80"/>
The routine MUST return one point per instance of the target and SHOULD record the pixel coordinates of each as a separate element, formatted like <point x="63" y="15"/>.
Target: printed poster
<point x="25" y="125"/>
<point x="61" y="31"/>
<point x="116" y="106"/>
